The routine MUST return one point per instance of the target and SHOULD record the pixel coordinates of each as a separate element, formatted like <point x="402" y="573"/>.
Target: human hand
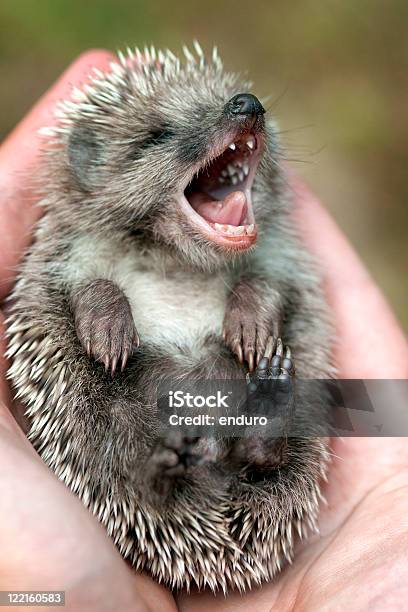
<point x="46" y="536"/>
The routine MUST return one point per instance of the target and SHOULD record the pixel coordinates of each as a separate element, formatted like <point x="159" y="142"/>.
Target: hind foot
<point x="170" y="460"/>
<point x="270" y="386"/>
<point x="270" y="392"/>
<point x="275" y="364"/>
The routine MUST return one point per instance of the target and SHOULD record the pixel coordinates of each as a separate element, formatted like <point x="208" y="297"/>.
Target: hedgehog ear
<point x="86" y="155"/>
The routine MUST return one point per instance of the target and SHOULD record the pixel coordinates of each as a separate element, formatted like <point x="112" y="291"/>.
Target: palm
<point x="362" y="525"/>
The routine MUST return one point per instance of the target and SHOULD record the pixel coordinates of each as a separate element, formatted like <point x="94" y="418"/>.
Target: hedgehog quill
<point x="166" y="250"/>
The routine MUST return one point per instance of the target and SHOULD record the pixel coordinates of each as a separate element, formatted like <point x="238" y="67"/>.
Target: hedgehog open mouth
<point x="219" y="196"/>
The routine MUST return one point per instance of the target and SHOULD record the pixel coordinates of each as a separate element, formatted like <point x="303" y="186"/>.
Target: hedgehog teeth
<point x="221" y="189"/>
<point x="235" y="230"/>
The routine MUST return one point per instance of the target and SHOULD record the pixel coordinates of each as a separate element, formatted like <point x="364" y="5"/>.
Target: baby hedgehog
<point x="166" y="251"/>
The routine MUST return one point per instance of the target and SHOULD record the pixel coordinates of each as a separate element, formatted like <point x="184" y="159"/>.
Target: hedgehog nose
<point x="244" y="104"/>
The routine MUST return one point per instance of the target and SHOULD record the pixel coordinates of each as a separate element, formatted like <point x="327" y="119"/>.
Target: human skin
<point x="48" y="540"/>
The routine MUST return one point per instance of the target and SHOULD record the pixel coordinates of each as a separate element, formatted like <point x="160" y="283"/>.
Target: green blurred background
<point x="337" y="69"/>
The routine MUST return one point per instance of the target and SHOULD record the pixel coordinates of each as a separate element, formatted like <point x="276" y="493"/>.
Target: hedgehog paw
<point x="104" y="324"/>
<point x="171" y="459"/>
<point x="246" y="336"/>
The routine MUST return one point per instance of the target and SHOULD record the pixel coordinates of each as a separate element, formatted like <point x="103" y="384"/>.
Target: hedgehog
<point x="166" y="251"/>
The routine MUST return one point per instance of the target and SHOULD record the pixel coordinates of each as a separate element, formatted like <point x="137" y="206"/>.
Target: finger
<point x="365" y="325"/>
<point x="19" y="155"/>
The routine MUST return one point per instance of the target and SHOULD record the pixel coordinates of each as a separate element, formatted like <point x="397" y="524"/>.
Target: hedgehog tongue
<point x="231" y="210"/>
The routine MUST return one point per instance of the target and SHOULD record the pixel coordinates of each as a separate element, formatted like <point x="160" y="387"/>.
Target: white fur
<point x="169" y="309"/>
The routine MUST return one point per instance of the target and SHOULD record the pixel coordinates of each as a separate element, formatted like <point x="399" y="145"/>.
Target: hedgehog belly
<point x="171" y="313"/>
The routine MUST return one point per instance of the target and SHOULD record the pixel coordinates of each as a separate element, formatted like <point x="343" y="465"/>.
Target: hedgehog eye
<point x="157" y="137"/>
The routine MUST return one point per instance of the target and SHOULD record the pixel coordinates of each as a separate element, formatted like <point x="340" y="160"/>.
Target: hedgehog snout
<point x="244" y="106"/>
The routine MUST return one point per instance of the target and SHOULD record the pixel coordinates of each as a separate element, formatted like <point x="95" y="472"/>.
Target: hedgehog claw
<point x="239" y="352"/>
<point x="250" y="360"/>
<point x="270" y="346"/>
<point x="113" y="365"/>
<point x="125" y="357"/>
